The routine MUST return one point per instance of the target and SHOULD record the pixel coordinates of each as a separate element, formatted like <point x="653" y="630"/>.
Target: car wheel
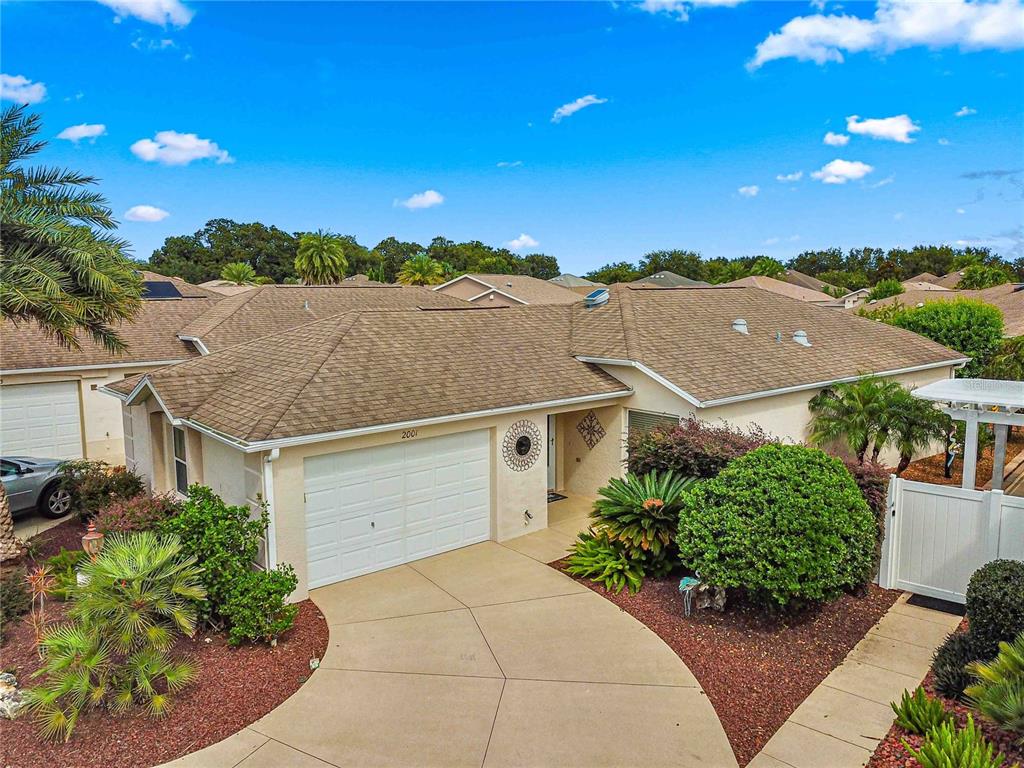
<point x="55" y="502"/>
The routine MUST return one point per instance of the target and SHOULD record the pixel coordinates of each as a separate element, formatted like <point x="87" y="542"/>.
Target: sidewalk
<point x="841" y="722"/>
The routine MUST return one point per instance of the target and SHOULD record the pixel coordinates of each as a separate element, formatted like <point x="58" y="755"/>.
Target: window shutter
<point x="641" y="421"/>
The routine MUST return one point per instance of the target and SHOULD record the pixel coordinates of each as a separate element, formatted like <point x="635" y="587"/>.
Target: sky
<point x="592" y="131"/>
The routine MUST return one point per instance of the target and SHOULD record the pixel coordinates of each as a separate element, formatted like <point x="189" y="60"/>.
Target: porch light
<point x="92" y="542"/>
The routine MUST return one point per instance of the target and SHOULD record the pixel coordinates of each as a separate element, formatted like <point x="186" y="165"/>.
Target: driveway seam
<point x="400" y="616"/>
<point x="833" y="736"/>
<point x="261" y="746"/>
<point x="532" y="599"/>
<point x="289" y="746"/>
<point x="504" y="678"/>
<point x="494" y="722"/>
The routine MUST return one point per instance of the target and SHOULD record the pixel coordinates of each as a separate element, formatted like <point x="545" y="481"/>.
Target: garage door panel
<point x="41" y="420"/>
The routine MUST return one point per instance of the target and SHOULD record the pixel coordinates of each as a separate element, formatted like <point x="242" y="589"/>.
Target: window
<point x="7" y="469"/>
<point x="129" y="439"/>
<point x="180" y="467"/>
<point x="641" y="421"/>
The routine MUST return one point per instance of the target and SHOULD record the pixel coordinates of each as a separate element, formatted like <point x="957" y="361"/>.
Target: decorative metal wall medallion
<point x="521" y="445"/>
<point x="590" y="429"/>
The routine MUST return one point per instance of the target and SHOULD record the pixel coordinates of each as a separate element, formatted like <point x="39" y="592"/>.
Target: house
<point x="925" y="277"/>
<point x="507" y="290"/>
<point x="808" y="281"/>
<point x="49" y="406"/>
<point x="791" y="290"/>
<point x="572" y="281"/>
<point x="225" y="287"/>
<point x="1008" y="298"/>
<point x="854" y="298"/>
<point x="921" y="285"/>
<point x="377" y="437"/>
<point x="666" y="279"/>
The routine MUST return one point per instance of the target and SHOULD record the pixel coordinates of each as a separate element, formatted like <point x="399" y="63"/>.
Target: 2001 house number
<point x="409" y="433"/>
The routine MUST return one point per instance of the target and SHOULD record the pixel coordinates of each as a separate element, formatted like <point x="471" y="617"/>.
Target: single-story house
<point x="667" y="279"/>
<point x="1008" y="298"/>
<point x="380" y="437"/>
<point x="808" y="281"/>
<point x="567" y="280"/>
<point x="854" y="299"/>
<point x="785" y="289"/>
<point x="506" y="290"/>
<point x="922" y="285"/>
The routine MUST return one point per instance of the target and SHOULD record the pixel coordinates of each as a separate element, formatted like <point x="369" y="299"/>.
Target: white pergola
<point x="980" y="401"/>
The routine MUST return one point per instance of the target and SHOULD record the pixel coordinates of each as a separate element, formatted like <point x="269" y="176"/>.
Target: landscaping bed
<point x="931" y="469"/>
<point x="755" y="669"/>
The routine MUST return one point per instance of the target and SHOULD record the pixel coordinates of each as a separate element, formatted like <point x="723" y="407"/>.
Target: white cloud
<point x="680" y="9"/>
<point x="162" y="12"/>
<point x="795" y="176"/>
<point x="943" y="142"/>
<point x="566" y="110"/>
<point x="836" y="139"/>
<point x="173" y="148"/>
<point x="523" y="241"/>
<point x="749" y="191"/>
<point x="89" y="131"/>
<point x="884" y="182"/>
<point x="842" y="171"/>
<point x="898" y="216"/>
<point x="145" y="213"/>
<point x="896" y="128"/>
<point x="961" y="211"/>
<point x="897" y="24"/>
<point x="20" y="89"/>
<point x="771" y="241"/>
<point x="510" y="163"/>
<point x="964" y="111"/>
<point x="427" y="199"/>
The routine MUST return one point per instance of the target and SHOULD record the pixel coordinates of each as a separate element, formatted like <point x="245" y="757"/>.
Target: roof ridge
<point x="247" y="296"/>
<point x="629" y="332"/>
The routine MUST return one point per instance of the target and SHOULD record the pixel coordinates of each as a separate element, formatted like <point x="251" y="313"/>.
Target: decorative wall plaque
<point x="521" y="445"/>
<point x="590" y="429"/>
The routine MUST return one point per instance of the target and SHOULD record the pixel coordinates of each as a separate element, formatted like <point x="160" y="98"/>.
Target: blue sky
<point x="310" y="115"/>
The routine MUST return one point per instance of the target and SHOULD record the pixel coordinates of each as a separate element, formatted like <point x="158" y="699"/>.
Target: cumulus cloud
<point x="680" y="9"/>
<point x="510" y="163"/>
<point x="842" y="171"/>
<point x="795" y="176"/>
<point x="173" y="148"/>
<point x="750" y="190"/>
<point x="567" y="110"/>
<point x="145" y="213"/>
<point x="897" y="24"/>
<point x="965" y="111"/>
<point x="20" y="89"/>
<point x="943" y="142"/>
<point x="76" y="133"/>
<point x="427" y="199"/>
<point x="523" y="241"/>
<point x="836" y="139"/>
<point x="162" y="12"/>
<point x="961" y="211"/>
<point x="897" y="128"/>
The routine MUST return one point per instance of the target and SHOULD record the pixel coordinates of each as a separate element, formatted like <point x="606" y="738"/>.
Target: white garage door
<point x="378" y="507"/>
<point x="40" y="420"/>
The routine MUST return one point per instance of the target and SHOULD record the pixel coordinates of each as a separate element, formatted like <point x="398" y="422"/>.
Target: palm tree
<point x="421" y="270"/>
<point x="61" y="266"/>
<point x="239" y="273"/>
<point x="912" y="424"/>
<point x="851" y="412"/>
<point x="321" y="258"/>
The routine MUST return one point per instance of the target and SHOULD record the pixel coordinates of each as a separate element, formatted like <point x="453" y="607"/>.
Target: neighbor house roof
<point x="226" y="287"/>
<point x="185" y="289"/>
<point x="806" y="281"/>
<point x="791" y="290"/>
<point x="270" y="308"/>
<point x="572" y="281"/>
<point x="529" y="290"/>
<point x="924" y="277"/>
<point x="361" y="369"/>
<point x="686" y="337"/>
<point x="922" y="285"/>
<point x="1009" y="298"/>
<point x="952" y="280"/>
<point x="666" y="279"/>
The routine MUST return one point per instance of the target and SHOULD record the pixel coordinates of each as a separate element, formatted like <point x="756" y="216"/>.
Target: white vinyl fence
<point x="937" y="536"/>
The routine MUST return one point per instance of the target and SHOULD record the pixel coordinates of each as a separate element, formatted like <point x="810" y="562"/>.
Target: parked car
<point x="34" y="484"/>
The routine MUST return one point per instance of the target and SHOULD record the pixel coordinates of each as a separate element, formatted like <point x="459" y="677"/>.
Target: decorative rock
<point x="11" y="699"/>
<point x="711" y="597"/>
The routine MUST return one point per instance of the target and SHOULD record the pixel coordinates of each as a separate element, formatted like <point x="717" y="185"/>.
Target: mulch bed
<point x="755" y="669"/>
<point x="235" y="687"/>
<point x="931" y="469"/>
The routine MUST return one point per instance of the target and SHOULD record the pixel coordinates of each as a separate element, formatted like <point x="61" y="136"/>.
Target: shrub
<point x="883" y="289"/>
<point x="256" y="607"/>
<point x="15" y="598"/>
<point x="971" y="327"/>
<point x="140" y="513"/>
<point x="995" y="605"/>
<point x="785" y="522"/>
<point x="949" y="664"/>
<point x="981" y="276"/>
<point x="596" y="558"/>
<point x="919" y="712"/>
<point x="693" y="449"/>
<point x="873" y="481"/>
<point x="95" y="484"/>
<point x="61" y="568"/>
<point x="950" y="747"/>
<point x="999" y="691"/>
<point x="641" y="514"/>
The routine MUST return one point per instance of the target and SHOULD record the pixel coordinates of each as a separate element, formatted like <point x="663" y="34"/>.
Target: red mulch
<point x="235" y="687"/>
<point x="754" y="668"/>
<point x="932" y="468"/>
<point x="66" y="535"/>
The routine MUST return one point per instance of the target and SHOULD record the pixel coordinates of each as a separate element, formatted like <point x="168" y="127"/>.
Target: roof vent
<point x="305" y="305"/>
<point x="508" y="285"/>
<point x="740" y="326"/>
<point x="800" y="337"/>
<point x="596" y="298"/>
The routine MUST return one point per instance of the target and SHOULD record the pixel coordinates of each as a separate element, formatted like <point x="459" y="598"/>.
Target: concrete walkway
<point x="484" y="656"/>
<point x="841" y="722"/>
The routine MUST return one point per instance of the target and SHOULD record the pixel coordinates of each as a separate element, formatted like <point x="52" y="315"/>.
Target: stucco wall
<point x="495" y="299"/>
<point x="224" y="470"/>
<point x="463" y="289"/>
<point x="580" y="468"/>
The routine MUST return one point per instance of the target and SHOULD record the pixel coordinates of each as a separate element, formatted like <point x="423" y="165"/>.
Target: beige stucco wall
<point x="463" y="289"/>
<point x="581" y="469"/>
<point x="495" y="299"/>
<point x="223" y="470"/>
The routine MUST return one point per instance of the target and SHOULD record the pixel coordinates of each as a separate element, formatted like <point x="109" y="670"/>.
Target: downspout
<point x="268" y="495"/>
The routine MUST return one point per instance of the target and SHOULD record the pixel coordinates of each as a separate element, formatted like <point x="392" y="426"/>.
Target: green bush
<point x="998" y="692"/>
<point x="968" y="326"/>
<point x="15" y="598"/>
<point x="596" y="558"/>
<point x="883" y="289"/>
<point x="995" y="605"/>
<point x="256" y="608"/>
<point x="641" y="514"/>
<point x="950" y="747"/>
<point x="95" y="484"/>
<point x="949" y="664"/>
<point x="62" y="568"/>
<point x="785" y="523"/>
<point x="981" y="276"/>
<point x="140" y="513"/>
<point x="919" y="712"/>
<point x="693" y="449"/>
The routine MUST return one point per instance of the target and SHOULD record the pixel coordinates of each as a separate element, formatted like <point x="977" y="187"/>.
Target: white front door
<point x="552" y="453"/>
<point x="41" y="420"/>
<point x="379" y="507"/>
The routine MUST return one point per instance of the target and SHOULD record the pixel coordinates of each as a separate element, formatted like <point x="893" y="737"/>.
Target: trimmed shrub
<point x="999" y="691"/>
<point x="969" y="326"/>
<point x="15" y="598"/>
<point x="94" y="485"/>
<point x="949" y="664"/>
<point x="785" y="523"/>
<point x="141" y="513"/>
<point x="919" y="712"/>
<point x="995" y="605"/>
<point x="950" y="747"/>
<point x="883" y="289"/>
<point x="693" y="449"/>
<point x="256" y="607"/>
<point x="596" y="558"/>
<point x="873" y="480"/>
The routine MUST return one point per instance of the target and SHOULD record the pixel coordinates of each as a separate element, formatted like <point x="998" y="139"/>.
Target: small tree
<point x="239" y="273"/>
<point x="852" y="413"/>
<point x="1008" y="361"/>
<point x="969" y="326"/>
<point x="883" y="289"/>
<point x="910" y="424"/>
<point x="421" y="270"/>
<point x="980" y="276"/>
<point x="321" y="258"/>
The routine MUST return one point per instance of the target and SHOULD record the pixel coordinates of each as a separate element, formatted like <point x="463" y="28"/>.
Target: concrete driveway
<point x="483" y="656"/>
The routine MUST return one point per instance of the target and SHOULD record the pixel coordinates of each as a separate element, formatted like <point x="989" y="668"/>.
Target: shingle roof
<point x="567" y="280"/>
<point x="271" y="308"/>
<point x="187" y="290"/>
<point x="686" y="336"/>
<point x="666" y="279"/>
<point x="782" y="288"/>
<point x="532" y="290"/>
<point x="365" y="368"/>
<point x="1009" y="298"/>
<point x="806" y="281"/>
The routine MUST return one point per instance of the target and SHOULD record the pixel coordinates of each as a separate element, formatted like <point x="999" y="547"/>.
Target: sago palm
<point x="421" y="270"/>
<point x="852" y="413"/>
<point x="321" y="258"/>
<point x="239" y="273"/>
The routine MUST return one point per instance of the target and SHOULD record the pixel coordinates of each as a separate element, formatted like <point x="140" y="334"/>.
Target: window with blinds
<point x="641" y="421"/>
<point x="129" y="438"/>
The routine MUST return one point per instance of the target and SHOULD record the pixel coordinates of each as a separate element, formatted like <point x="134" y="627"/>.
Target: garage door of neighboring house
<point x="41" y="420"/>
<point x="379" y="507"/>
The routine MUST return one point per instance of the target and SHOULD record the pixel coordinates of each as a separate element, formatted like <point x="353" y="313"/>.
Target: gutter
<point x="197" y="342"/>
<point x="69" y="368"/>
<point x="268" y="495"/>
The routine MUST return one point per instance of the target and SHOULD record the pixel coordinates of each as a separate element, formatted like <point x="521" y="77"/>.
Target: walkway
<point x="484" y="656"/>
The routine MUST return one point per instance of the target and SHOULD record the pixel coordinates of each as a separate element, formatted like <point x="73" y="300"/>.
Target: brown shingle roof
<point x="806" y="281"/>
<point x="1009" y="298"/>
<point x="272" y="308"/>
<point x="532" y="290"/>
<point x="791" y="290"/>
<point x="187" y="290"/>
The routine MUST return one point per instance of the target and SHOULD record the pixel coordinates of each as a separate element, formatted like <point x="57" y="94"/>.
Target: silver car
<point x="34" y="484"/>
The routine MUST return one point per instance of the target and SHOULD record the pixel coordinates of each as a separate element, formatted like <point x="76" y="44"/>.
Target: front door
<point x="552" y="454"/>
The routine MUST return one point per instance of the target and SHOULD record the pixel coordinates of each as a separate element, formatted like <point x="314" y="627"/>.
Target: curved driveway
<point x="482" y="657"/>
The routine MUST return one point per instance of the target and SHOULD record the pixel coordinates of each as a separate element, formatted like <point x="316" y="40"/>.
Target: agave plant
<point x="641" y="512"/>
